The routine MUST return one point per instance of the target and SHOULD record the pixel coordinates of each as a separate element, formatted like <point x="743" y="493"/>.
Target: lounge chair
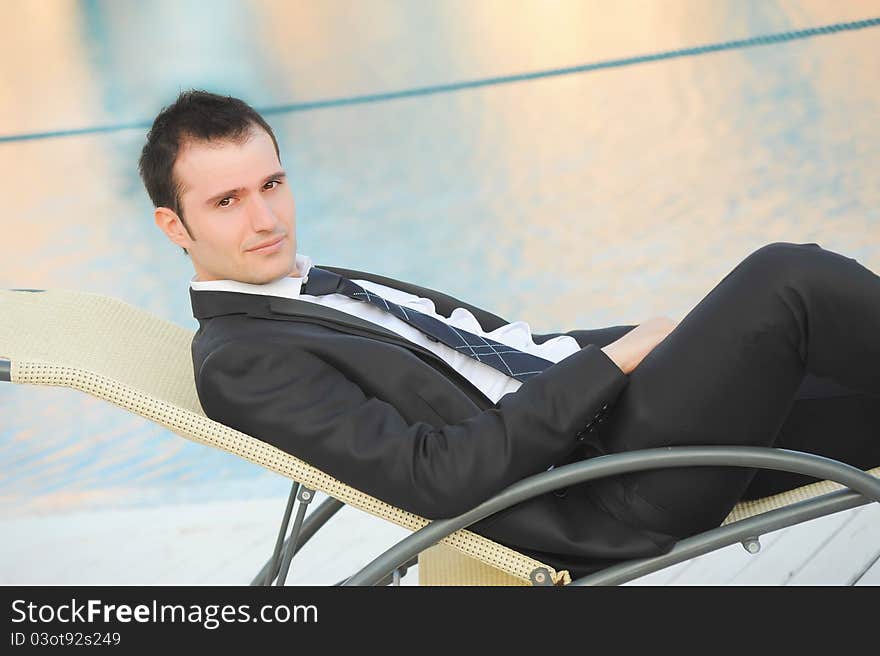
<point x="120" y="353"/>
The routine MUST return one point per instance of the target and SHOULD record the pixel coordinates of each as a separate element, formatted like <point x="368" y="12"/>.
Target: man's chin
<point x="265" y="277"/>
<point x="265" y="280"/>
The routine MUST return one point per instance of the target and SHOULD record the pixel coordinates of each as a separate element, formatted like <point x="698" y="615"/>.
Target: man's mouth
<point x="268" y="248"/>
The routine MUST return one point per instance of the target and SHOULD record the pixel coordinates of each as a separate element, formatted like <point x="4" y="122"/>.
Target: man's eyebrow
<point x="223" y="194"/>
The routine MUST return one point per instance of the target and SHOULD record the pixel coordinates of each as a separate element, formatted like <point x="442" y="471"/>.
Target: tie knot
<point x="320" y="281"/>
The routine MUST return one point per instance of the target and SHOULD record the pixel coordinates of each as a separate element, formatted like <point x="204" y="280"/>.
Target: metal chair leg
<point x="398" y="572"/>
<point x="304" y="497"/>
<point x="273" y="563"/>
<point x="312" y="523"/>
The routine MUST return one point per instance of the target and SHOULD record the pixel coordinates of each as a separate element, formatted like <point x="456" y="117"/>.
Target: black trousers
<point x="784" y="351"/>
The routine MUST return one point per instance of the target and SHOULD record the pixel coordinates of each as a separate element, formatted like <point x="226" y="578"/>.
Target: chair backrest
<point x="103" y="335"/>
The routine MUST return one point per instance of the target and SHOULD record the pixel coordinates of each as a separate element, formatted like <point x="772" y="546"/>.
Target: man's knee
<point x="780" y="249"/>
<point x="777" y="262"/>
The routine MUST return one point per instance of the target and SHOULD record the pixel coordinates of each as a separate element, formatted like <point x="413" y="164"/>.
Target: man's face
<point x="233" y="201"/>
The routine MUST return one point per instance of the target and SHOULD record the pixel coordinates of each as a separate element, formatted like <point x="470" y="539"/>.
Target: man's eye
<point x="220" y="202"/>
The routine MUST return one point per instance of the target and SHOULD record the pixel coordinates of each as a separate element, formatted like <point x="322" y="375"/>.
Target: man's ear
<point x="169" y="222"/>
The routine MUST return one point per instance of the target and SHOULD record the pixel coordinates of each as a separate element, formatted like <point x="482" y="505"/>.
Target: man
<point x="434" y="405"/>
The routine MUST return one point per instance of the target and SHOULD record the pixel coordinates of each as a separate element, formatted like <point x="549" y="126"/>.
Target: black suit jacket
<point x="392" y="419"/>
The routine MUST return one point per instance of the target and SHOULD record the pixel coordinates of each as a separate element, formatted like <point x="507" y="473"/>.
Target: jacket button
<point x="561" y="492"/>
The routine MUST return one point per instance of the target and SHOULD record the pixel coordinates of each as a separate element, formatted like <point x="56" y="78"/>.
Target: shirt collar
<point x="288" y="286"/>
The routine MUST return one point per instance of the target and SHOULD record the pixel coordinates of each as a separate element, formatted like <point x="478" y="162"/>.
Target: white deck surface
<point x="228" y="541"/>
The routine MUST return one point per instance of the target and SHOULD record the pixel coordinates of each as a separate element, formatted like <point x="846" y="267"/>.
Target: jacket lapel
<point x="208" y="304"/>
<point x="303" y="310"/>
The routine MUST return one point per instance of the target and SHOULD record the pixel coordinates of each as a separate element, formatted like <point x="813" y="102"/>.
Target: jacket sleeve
<point x="289" y="397"/>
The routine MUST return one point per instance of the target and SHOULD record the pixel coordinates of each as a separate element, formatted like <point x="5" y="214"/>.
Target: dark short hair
<point x="195" y="115"/>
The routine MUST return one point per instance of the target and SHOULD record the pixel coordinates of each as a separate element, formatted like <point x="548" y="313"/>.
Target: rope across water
<point x="505" y="79"/>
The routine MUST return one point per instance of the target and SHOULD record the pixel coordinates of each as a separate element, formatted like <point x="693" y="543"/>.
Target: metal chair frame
<point x="392" y="564"/>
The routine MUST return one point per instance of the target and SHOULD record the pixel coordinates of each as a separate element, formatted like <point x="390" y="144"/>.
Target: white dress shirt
<point x="489" y="380"/>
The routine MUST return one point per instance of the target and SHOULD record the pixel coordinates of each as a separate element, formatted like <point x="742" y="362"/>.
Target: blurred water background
<point x="576" y="200"/>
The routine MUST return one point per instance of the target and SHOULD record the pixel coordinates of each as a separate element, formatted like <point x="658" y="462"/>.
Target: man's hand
<point x="628" y="351"/>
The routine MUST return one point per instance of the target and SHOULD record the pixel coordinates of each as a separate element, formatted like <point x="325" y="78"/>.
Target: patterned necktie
<point x="504" y="358"/>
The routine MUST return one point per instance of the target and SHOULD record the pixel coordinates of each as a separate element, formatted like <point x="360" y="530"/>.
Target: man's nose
<point x="261" y="215"/>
